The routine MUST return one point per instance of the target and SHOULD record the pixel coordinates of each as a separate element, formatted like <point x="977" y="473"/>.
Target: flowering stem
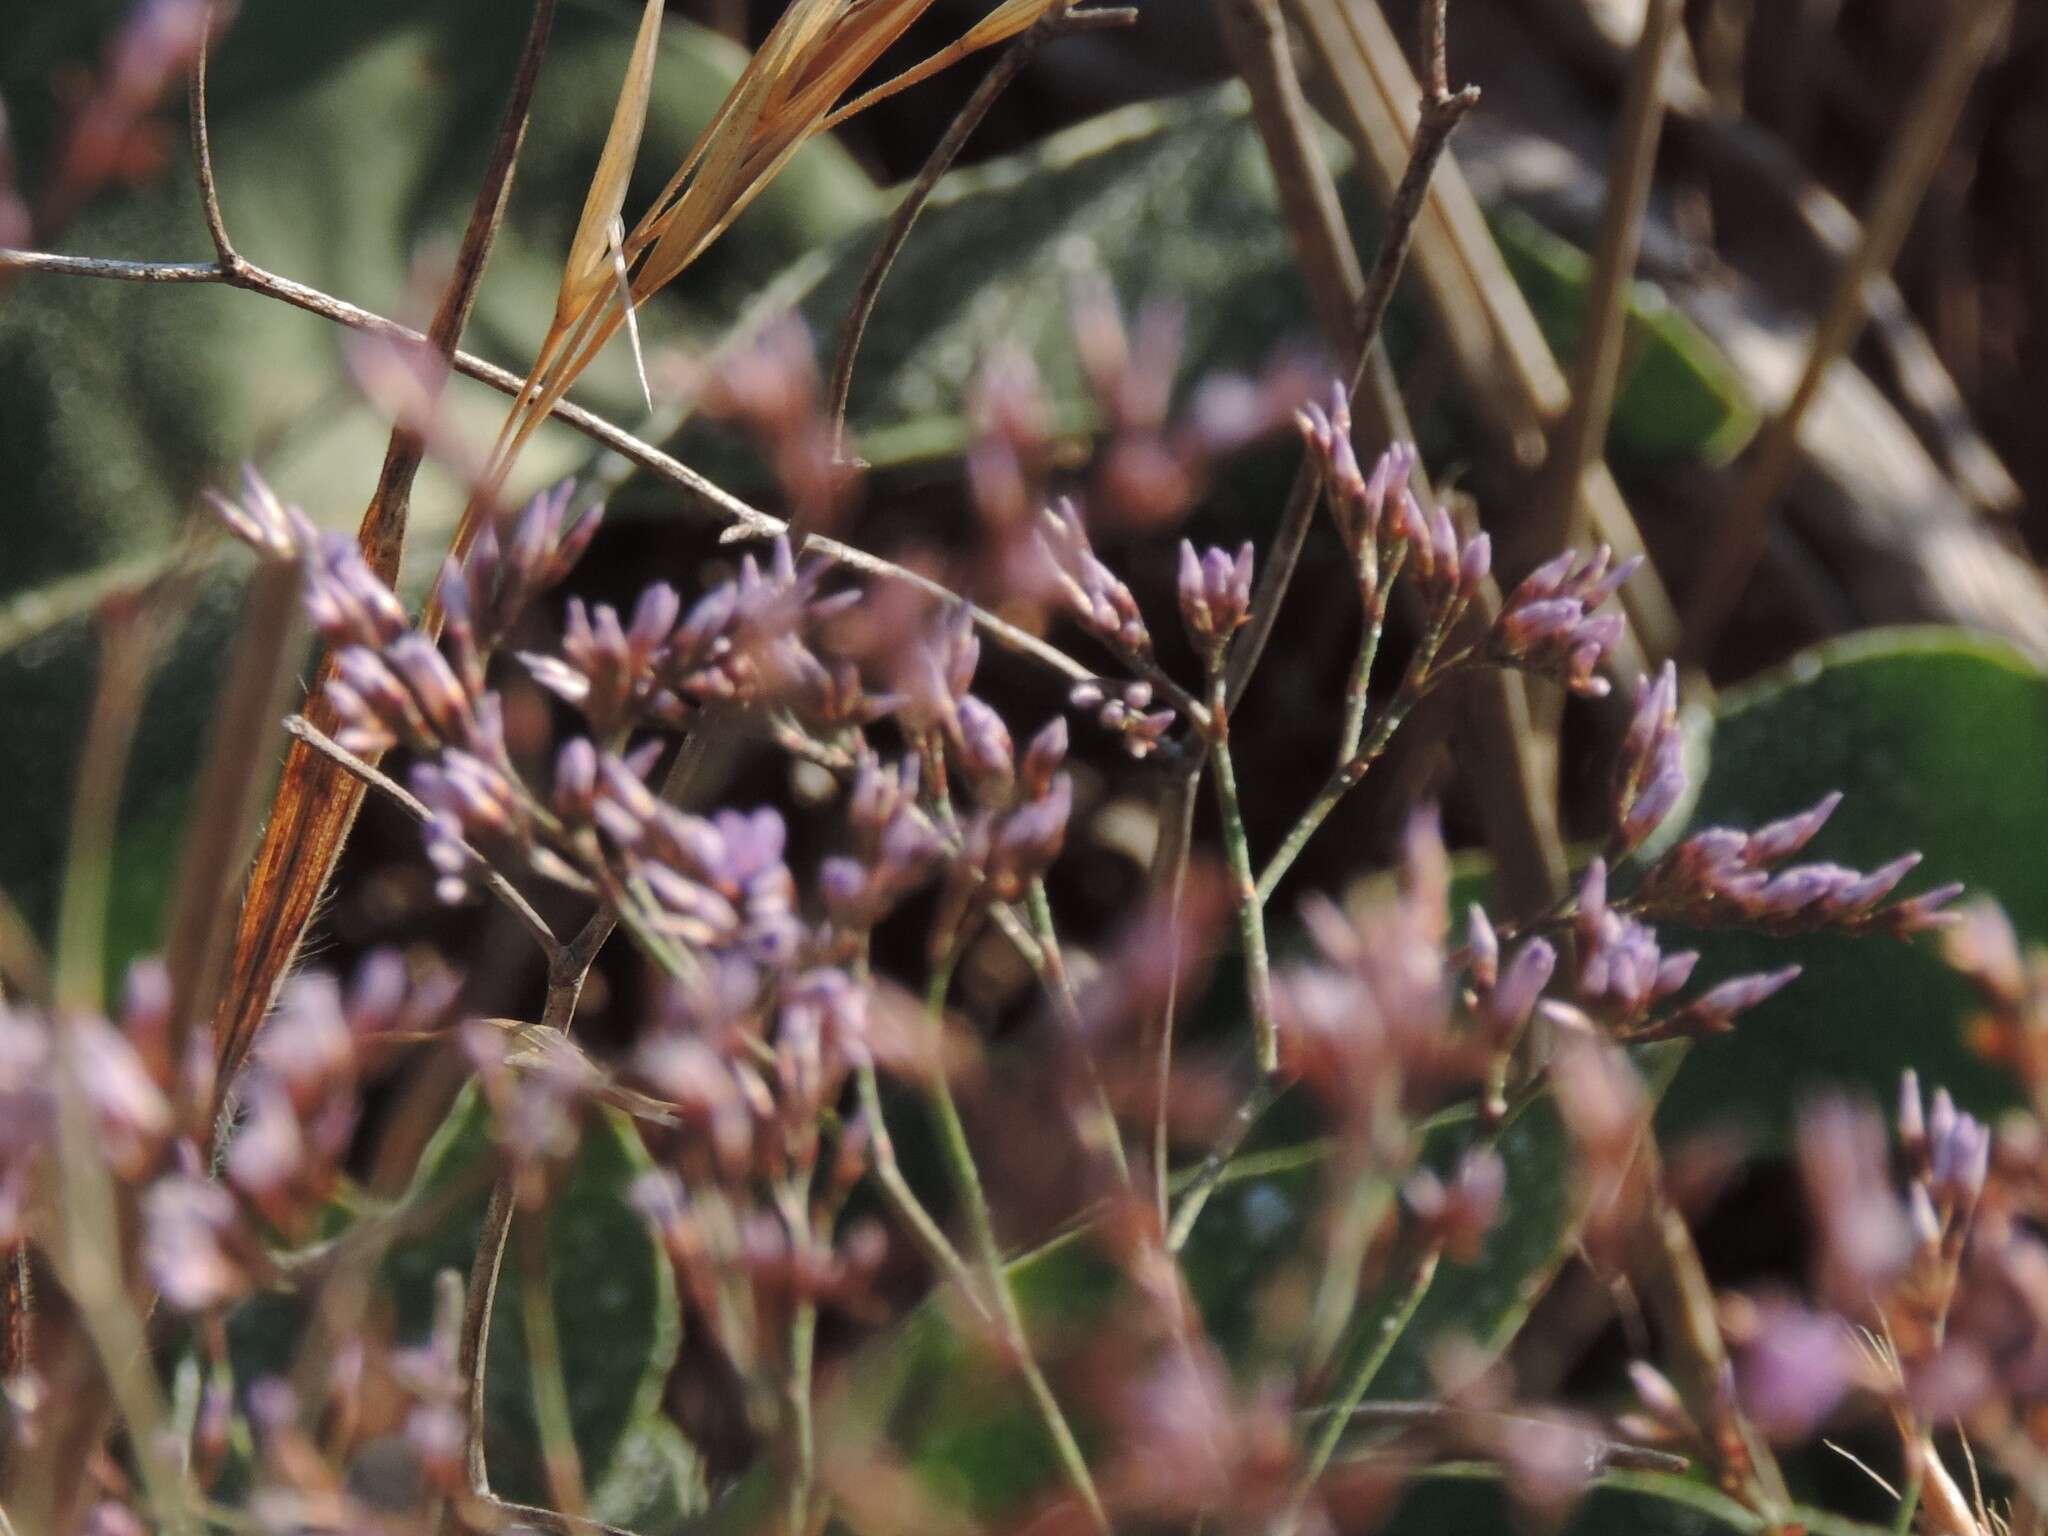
<point x="930" y="1236"/>
<point x="1251" y="916"/>
<point x="1358" y="752"/>
<point x="1336" y="1302"/>
<point x="960" y="1165"/>
<point x="1217" y="1163"/>
<point x="1170" y="874"/>
<point x="1360" y="1381"/>
<point x="803" y="1339"/>
<point x="1060" y="985"/>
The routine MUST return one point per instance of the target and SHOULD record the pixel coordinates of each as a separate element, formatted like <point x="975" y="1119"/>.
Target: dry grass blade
<point x="240" y="752"/>
<point x="790" y="91"/>
<point x="316" y="802"/>
<point x="590" y="251"/>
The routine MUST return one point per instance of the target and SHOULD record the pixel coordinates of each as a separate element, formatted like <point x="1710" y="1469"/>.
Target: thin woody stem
<point x="746" y="521"/>
<point x="1442" y="111"/>
<point x="1360" y="1381"/>
<point x="1058" y="20"/>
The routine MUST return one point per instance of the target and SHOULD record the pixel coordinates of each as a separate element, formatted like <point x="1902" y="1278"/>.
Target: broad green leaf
<point x="615" y="1309"/>
<point x="1622" y="1503"/>
<point x="1678" y="396"/>
<point x="1938" y="743"/>
<point x="1175" y="202"/>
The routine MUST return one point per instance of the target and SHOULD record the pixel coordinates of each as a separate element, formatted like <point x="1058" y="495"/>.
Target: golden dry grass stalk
<point x="795" y="86"/>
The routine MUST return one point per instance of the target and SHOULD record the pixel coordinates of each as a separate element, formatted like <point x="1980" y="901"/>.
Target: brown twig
<point x="315" y="804"/>
<point x="1056" y="22"/>
<point x="220" y="829"/>
<point x="1596" y="370"/>
<point x="1923" y="135"/>
<point x="1314" y="219"/>
<point x="746" y="520"/>
<point x="202" y="149"/>
<point x="1442" y="111"/>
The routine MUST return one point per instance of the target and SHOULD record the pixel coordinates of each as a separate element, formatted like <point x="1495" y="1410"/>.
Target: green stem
<point x="1357" y="752"/>
<point x="1336" y="1300"/>
<point x="1361" y="1378"/>
<point x="1170" y="873"/>
<point x="966" y="1176"/>
<point x="559" y="1458"/>
<point x="1251" y="917"/>
<point x="1217" y="1163"/>
<point x="803" y="1337"/>
<point x="1907" y="1506"/>
<point x="930" y="1236"/>
<point x="1060" y="986"/>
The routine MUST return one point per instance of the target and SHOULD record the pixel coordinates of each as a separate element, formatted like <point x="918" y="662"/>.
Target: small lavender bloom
<point x="130" y="1112"/>
<point x="1475" y="564"/>
<point x="986" y="751"/>
<point x="275" y="529"/>
<point x="1649" y="773"/>
<point x="1716" y="1009"/>
<point x="1043" y="755"/>
<point x="1504" y="1010"/>
<point x="1458" y="1215"/>
<point x="1548" y="624"/>
<point x="347" y="601"/>
<point x="881" y="793"/>
<point x="1924" y="913"/>
<point x="373" y="708"/>
<point x="1127" y="715"/>
<point x="1023" y="843"/>
<point x="935" y="671"/>
<point x="1856" y="897"/>
<point x="1794" y="1370"/>
<point x="192" y="1244"/>
<point x="443" y="701"/>
<point x="1779" y="840"/>
<point x="1215" y="595"/>
<point x="576" y="781"/>
<point x="1097" y="599"/>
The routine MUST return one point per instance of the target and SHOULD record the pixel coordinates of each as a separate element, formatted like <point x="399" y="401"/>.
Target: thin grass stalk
<point x="1362" y="1375"/>
<point x="958" y="1156"/>
<point x="1923" y="135"/>
<point x="90" y="1255"/>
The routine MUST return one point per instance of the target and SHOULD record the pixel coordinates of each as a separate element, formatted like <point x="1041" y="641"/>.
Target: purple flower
<point x="1215" y="595"/>
<point x="1091" y="592"/>
<point x="275" y="529"/>
<point x="1649" y="774"/>
<point x="1548" y="624"/>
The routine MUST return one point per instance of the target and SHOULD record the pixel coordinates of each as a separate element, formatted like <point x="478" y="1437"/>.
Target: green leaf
<point x="1174" y="201"/>
<point x="1627" y="1503"/>
<point x="1937" y="741"/>
<point x="615" y="1308"/>
<point x="1678" y="396"/>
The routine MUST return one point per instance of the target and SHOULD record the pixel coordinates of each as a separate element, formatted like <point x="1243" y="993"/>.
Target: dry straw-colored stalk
<point x="793" y="88"/>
